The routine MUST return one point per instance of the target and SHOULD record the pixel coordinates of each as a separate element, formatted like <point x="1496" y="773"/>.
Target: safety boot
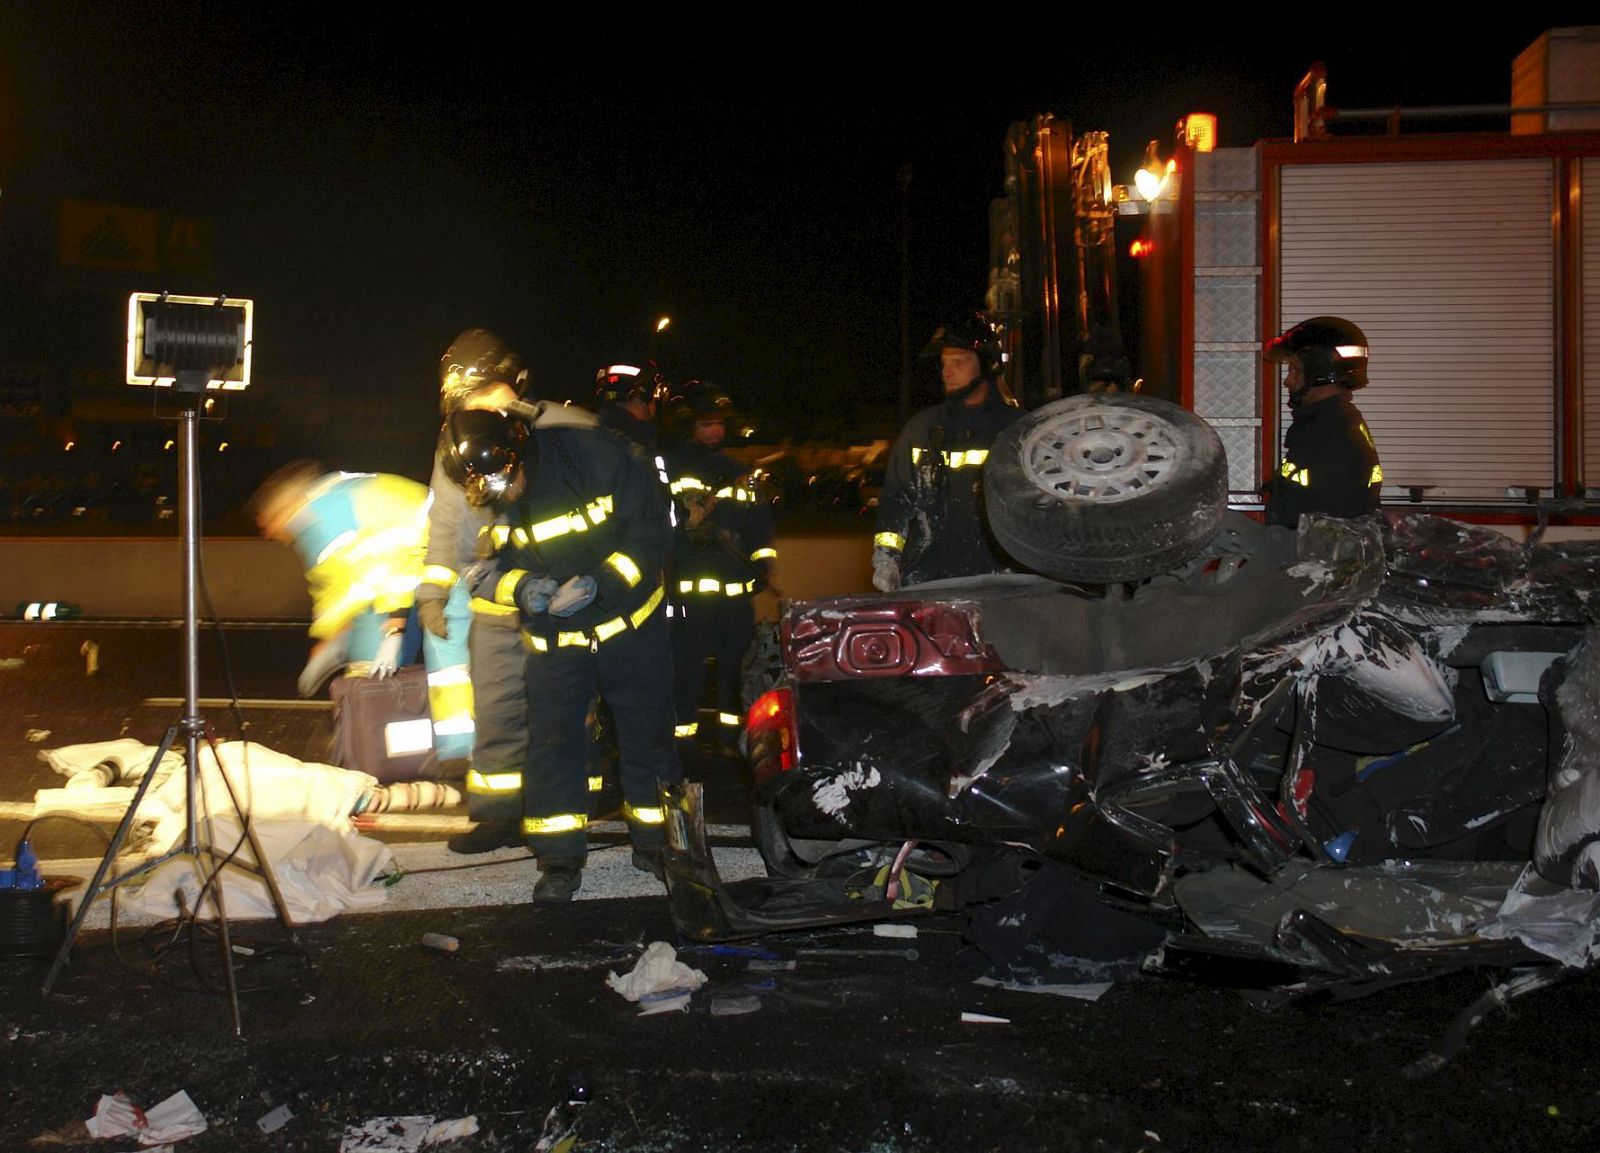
<point x="559" y="878"/>
<point x="650" y="861"/>
<point x="486" y="837"/>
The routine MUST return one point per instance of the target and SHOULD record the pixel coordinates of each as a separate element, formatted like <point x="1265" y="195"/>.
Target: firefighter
<point x="722" y="556"/>
<point x="587" y="540"/>
<point x="362" y="538"/>
<point x="478" y="370"/>
<point x="628" y="395"/>
<point x="1330" y="464"/>
<point x="929" y="523"/>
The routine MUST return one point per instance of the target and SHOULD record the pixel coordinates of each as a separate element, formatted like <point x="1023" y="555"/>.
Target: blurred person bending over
<point x="1330" y="464"/>
<point x="586" y="543"/>
<point x="930" y="525"/>
<point x="722" y="556"/>
<point x="361" y="537"/>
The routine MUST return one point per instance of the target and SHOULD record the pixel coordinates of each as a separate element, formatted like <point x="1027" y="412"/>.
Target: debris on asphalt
<point x="889" y="929"/>
<point x="275" y="1120"/>
<point x="440" y="942"/>
<point x="658" y="970"/>
<point x="907" y="954"/>
<point x="90" y="652"/>
<point x="11" y="663"/>
<point x="386" y="1135"/>
<point x="37" y="735"/>
<point x="1086" y="991"/>
<point x="734" y="1006"/>
<point x="762" y="966"/>
<point x="666" y="1001"/>
<point x="174" y="1119"/>
<point x="968" y="1018"/>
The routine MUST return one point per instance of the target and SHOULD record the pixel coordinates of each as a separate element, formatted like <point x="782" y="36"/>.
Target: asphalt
<point x="864" y="1048"/>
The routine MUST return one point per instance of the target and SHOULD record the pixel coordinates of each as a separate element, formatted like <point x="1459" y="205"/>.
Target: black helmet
<point x="702" y="400"/>
<point x="1330" y="348"/>
<point x="482" y="449"/>
<point x="617" y="383"/>
<point x="475" y="360"/>
<point x="973" y="334"/>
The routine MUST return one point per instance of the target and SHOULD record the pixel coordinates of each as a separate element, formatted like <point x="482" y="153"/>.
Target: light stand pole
<point x="193" y="344"/>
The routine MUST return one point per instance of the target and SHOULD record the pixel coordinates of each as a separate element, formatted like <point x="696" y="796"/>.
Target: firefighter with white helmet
<point x="1330" y="464"/>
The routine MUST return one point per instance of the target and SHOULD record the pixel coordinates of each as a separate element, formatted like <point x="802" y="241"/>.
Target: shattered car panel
<point x="1401" y="688"/>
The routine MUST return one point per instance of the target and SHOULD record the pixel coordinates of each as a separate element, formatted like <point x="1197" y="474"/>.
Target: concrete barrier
<point x="252" y="579"/>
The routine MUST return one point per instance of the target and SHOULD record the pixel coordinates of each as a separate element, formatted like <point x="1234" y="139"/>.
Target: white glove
<point x="387" y="659"/>
<point x="885" y="569"/>
<point x="578" y="593"/>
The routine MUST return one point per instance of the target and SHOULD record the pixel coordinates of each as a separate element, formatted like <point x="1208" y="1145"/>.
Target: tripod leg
<point x="95" y="887"/>
<point x="263" y="867"/>
<point x="212" y="885"/>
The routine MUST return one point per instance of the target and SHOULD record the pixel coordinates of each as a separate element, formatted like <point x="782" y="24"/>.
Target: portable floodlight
<point x="191" y="343"/>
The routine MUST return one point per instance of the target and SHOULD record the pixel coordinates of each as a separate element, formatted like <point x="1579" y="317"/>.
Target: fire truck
<point x="1471" y="260"/>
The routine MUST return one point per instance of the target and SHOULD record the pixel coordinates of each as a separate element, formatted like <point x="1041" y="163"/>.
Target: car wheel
<point x="1105" y="487"/>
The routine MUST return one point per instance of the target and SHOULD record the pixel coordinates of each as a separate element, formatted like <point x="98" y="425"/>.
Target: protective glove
<point x="578" y="593"/>
<point x="534" y="593"/>
<point x="327" y="658"/>
<point x="387" y="659"/>
<point x="431" y="615"/>
<point x="885" y="569"/>
<point x="480" y="577"/>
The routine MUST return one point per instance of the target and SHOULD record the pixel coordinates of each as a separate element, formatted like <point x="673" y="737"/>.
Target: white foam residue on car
<point x="1387" y="667"/>
<point x="1316" y="573"/>
<point x="832" y="796"/>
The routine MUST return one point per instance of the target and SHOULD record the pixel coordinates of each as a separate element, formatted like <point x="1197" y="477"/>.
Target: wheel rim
<point x="1101" y="455"/>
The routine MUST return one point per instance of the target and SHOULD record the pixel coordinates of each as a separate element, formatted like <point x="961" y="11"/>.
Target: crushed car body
<point x="1360" y="753"/>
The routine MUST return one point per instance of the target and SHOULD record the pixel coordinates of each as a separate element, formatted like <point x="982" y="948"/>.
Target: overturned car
<point x="1343" y="755"/>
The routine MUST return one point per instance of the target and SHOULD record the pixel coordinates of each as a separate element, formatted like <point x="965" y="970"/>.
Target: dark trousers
<point x="632" y="673"/>
<point x="711" y="626"/>
<point x="500" y="718"/>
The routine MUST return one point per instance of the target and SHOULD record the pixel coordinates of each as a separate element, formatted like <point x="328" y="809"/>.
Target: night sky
<point x="378" y="182"/>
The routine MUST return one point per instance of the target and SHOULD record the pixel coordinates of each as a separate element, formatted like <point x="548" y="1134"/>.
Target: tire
<point x="1104" y="488"/>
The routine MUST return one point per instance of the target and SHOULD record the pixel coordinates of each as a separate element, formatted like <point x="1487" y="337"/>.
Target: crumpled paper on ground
<point x="172" y="1120"/>
<point x="656" y="971"/>
<point x="404" y="1134"/>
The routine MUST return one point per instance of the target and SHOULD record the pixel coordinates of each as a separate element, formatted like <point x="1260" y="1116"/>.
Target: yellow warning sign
<point x="93" y="234"/>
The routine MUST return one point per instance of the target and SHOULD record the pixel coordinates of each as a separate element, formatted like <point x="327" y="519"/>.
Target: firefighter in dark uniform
<point x="1330" y="464"/>
<point x="929" y="523"/>
<point x="628" y="394"/>
<point x="583" y="560"/>
<point x="722" y="556"/>
<point x="479" y="371"/>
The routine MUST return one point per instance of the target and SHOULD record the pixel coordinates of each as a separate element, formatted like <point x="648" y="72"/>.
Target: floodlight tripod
<point x="191" y="728"/>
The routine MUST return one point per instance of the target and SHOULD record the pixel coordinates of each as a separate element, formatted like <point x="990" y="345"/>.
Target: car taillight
<point x="882" y="638"/>
<point x="770" y="734"/>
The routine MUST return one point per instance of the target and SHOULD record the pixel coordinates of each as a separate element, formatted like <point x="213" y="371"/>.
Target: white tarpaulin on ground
<point x="300" y="811"/>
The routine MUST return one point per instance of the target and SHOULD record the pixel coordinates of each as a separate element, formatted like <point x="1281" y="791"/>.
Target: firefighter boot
<point x="486" y="837"/>
<point x="559" y="878"/>
<point x="650" y="861"/>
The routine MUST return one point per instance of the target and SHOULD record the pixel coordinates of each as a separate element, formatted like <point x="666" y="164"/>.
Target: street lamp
<point x="661" y="325"/>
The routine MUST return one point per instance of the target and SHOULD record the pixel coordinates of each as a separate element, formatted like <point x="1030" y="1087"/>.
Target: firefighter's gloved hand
<point x="327" y="658"/>
<point x="578" y="593"/>
<point x="480" y="577"/>
<point x="885" y="569"/>
<point x="431" y="615"/>
<point x="387" y="660"/>
<point x="534" y="592"/>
